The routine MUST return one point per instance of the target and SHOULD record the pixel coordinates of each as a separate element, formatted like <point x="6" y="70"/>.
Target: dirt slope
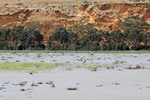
<point x="104" y="16"/>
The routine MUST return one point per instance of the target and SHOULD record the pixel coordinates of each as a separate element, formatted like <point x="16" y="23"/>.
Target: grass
<point x="35" y="67"/>
<point x="38" y="67"/>
<point x="96" y="66"/>
<point x="88" y="59"/>
<point x="130" y="56"/>
<point x="93" y="66"/>
<point x="119" y="62"/>
<point x="63" y="51"/>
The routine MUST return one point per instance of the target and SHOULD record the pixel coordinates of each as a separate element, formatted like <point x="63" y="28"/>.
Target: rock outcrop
<point x="103" y="16"/>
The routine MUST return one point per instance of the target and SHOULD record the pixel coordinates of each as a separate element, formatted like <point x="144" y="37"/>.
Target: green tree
<point x="16" y="33"/>
<point x="134" y="22"/>
<point x="116" y="36"/>
<point x="106" y="37"/>
<point x="60" y="35"/>
<point x="72" y="38"/>
<point x="135" y="28"/>
<point x="34" y="37"/>
<point x="5" y="37"/>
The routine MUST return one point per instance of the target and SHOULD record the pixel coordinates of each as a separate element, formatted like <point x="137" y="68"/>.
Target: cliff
<point x="103" y="16"/>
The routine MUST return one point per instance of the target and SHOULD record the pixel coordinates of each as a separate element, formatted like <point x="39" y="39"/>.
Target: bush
<point x="103" y="47"/>
<point x="21" y="47"/>
<point x="85" y="2"/>
<point x="20" y="4"/>
<point x="54" y="47"/>
<point x="125" y="47"/>
<point x="110" y="47"/>
<point x="41" y="47"/>
<point x="64" y="46"/>
<point x="73" y="47"/>
<point x="94" y="47"/>
<point x="140" y="47"/>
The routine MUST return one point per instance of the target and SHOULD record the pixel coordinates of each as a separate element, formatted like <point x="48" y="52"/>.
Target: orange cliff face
<point x="103" y="16"/>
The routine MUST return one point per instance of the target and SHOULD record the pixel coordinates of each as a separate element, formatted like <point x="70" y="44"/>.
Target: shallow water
<point x="106" y="84"/>
<point x="73" y="58"/>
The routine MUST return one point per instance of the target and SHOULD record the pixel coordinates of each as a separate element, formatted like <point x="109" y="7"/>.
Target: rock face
<point x="103" y="16"/>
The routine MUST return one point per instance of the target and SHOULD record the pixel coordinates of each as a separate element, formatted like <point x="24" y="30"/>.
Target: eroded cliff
<point x="103" y="16"/>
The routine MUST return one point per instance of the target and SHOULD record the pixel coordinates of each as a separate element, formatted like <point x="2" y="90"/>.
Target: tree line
<point x="133" y="34"/>
<point x="20" y="38"/>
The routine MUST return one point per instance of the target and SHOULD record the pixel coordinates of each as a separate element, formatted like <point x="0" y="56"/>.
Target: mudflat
<point x="76" y="76"/>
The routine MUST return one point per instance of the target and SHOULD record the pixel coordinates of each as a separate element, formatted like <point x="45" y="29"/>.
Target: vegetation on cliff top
<point x="134" y="35"/>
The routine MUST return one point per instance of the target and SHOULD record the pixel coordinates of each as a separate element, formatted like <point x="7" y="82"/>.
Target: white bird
<point x="80" y="59"/>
